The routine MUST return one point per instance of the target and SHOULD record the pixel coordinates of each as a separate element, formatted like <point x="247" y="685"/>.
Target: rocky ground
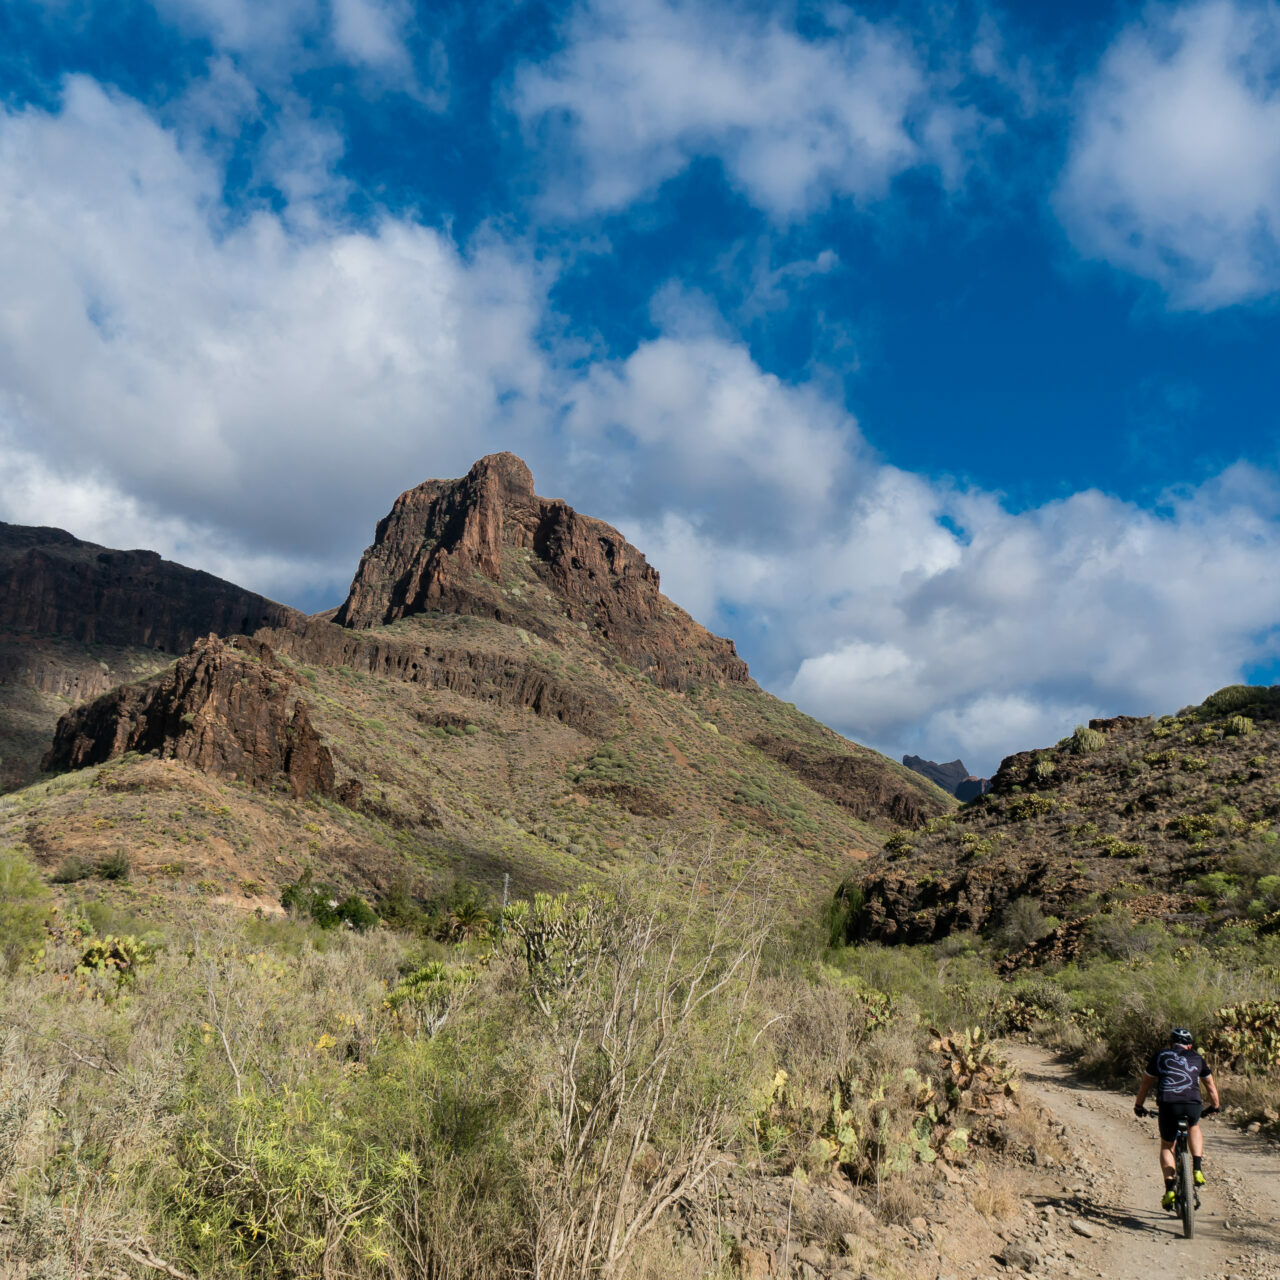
<point x="1106" y="1219"/>
<point x="1086" y="1205"/>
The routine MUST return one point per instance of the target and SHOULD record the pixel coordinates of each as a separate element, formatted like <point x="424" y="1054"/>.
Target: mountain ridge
<point x="534" y="708"/>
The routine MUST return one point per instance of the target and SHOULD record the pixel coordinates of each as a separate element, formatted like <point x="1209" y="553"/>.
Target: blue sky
<point x="925" y="350"/>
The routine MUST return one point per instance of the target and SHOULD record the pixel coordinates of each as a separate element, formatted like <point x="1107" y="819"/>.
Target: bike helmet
<point x="1181" y="1036"/>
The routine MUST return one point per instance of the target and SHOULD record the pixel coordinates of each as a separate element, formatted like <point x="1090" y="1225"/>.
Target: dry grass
<point x="996" y="1195"/>
<point x="1030" y="1129"/>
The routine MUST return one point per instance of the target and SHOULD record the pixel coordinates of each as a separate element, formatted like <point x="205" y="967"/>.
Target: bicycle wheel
<point x="1186" y="1193"/>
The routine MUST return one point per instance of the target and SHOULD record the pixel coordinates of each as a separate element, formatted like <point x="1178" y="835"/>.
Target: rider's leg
<point x="1167" y="1166"/>
<point x="1195" y="1139"/>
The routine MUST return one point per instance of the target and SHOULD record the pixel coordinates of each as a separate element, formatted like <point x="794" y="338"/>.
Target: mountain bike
<point x="1186" y="1198"/>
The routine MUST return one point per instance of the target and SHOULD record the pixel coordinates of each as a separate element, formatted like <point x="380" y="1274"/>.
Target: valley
<point x="497" y="923"/>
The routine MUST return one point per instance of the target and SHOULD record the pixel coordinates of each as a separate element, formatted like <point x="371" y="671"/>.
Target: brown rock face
<point x="483" y="675"/>
<point x="52" y="584"/>
<point x="860" y="784"/>
<point x="228" y="708"/>
<point x="445" y="545"/>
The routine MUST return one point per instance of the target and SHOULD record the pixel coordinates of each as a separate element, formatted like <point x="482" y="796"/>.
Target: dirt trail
<point x="1118" y="1198"/>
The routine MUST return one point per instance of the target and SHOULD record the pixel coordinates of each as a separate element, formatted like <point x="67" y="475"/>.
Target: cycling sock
<point x="1169" y="1182"/>
<point x="1195" y="1162"/>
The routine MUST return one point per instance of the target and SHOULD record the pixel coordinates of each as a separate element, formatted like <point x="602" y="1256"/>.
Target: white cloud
<point x="644" y="86"/>
<point x="248" y="391"/>
<point x="371" y="32"/>
<point x="908" y="613"/>
<point x="280" y="37"/>
<point x="34" y="492"/>
<point x="199" y="361"/>
<point x="696" y="425"/>
<point x="1173" y="171"/>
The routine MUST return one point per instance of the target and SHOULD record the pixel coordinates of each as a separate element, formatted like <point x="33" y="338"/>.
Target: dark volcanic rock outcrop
<point x="952" y="776"/>
<point x="445" y="546"/>
<point x="863" y="785"/>
<point x="52" y="584"/>
<point x="1128" y="812"/>
<point x="227" y="707"/>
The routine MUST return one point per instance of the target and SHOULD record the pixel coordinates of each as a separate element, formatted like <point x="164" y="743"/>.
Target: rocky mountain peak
<point x="489" y="546"/>
<point x="952" y="776"/>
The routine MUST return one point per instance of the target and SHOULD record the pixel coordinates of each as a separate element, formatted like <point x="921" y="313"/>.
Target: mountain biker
<point x="1177" y="1073"/>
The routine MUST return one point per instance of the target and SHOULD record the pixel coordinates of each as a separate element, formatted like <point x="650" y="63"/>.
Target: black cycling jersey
<point x="1178" y="1073"/>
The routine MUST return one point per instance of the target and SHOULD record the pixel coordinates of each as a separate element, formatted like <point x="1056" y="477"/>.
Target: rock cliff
<point x="480" y="674"/>
<point x="952" y="777"/>
<point x="460" y="546"/>
<point x="228" y="707"/>
<point x="52" y="584"/>
<point x="860" y="784"/>
<point x="78" y="619"/>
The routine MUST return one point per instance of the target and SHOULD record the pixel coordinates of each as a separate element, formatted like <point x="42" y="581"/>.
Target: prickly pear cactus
<point x="978" y="1078"/>
<point x="1247" y="1036"/>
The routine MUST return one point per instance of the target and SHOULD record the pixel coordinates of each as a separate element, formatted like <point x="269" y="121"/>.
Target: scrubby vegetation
<point x="1127" y="982"/>
<point x="238" y="1096"/>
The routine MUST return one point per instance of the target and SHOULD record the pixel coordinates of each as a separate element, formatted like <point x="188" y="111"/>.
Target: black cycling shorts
<point x="1171" y="1112"/>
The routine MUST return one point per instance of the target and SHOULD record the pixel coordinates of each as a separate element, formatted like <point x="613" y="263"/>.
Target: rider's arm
<point x="1144" y="1087"/>
<point x="1212" y="1085"/>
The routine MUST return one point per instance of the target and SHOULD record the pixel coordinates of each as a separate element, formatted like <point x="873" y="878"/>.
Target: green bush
<point x="24" y="905"/>
<point x="1084" y="740"/>
<point x="324" y="905"/>
<point x="1022" y="923"/>
<point x="115" y="866"/>
<point x="1239" y="726"/>
<point x="1194" y="827"/>
<point x="1235" y="697"/>
<point x="1043" y="770"/>
<point x="71" y="870"/>
<point x="1032" y="806"/>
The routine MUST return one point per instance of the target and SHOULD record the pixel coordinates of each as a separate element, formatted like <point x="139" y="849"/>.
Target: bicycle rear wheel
<point x="1187" y="1193"/>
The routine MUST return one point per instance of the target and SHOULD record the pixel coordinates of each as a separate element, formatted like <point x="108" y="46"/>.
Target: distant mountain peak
<point x="488" y="545"/>
<point x="952" y="776"/>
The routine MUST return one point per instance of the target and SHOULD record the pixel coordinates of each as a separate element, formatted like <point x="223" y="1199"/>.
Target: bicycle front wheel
<point x="1187" y="1193"/>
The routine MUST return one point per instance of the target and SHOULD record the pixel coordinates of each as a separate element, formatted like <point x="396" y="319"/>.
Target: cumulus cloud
<point x="918" y="616"/>
<point x="34" y="491"/>
<point x="197" y="359"/>
<point x="702" y="426"/>
<point x="644" y="86"/>
<point x="1173" y="169"/>
<point x="246" y="389"/>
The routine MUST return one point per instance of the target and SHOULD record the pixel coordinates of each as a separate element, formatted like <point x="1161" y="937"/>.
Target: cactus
<point x="1247" y="1035"/>
<point x="121" y="956"/>
<point x="979" y="1079"/>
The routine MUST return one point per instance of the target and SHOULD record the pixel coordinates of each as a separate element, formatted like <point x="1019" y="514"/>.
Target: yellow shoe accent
<point x="1167" y="1202"/>
<point x="1199" y="1178"/>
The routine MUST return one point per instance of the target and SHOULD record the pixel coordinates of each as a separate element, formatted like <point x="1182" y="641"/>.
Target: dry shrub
<point x="906" y="1195"/>
<point x="647" y="1006"/>
<point x="996" y="1195"/>
<point x="1258" y="1096"/>
<point x="659" y="1256"/>
<point x="1030" y="1130"/>
<point x="827" y="1222"/>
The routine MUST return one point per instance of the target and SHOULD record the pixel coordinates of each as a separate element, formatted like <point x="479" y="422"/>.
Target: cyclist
<point x="1177" y="1072"/>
